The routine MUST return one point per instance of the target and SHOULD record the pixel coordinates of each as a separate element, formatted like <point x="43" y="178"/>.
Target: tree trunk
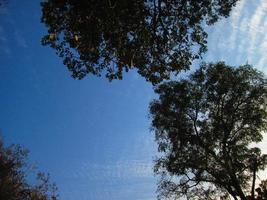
<point x="237" y="187"/>
<point x="253" y="180"/>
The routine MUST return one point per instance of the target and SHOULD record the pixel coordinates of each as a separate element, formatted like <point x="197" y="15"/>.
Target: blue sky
<point x="93" y="136"/>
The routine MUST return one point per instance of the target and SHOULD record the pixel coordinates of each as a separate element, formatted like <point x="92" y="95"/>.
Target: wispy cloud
<point x="117" y="170"/>
<point x="242" y="36"/>
<point x="214" y="41"/>
<point x="3" y="10"/>
<point x="112" y="193"/>
<point x="2" y="36"/>
<point x="114" y="180"/>
<point x="235" y="24"/>
<point x="20" y="40"/>
<point x="4" y="47"/>
<point x="256" y="28"/>
<point x="10" y="35"/>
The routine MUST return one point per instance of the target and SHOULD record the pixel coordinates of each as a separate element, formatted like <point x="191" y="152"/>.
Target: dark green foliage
<point x="204" y="126"/>
<point x="13" y="177"/>
<point x="156" y="37"/>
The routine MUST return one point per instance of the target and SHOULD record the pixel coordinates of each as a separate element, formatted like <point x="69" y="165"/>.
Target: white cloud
<point x="117" y="179"/>
<point x="256" y="28"/>
<point x="223" y="36"/>
<point x="242" y="37"/>
<point x="235" y="23"/>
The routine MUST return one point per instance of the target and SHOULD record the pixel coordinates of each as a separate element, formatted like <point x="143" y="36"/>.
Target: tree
<point x="262" y="191"/>
<point x="204" y="126"/>
<point x="13" y="177"/>
<point x="156" y="37"/>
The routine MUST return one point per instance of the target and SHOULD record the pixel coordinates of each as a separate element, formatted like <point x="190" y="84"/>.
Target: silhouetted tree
<point x="156" y="37"/>
<point x="13" y="177"/>
<point x="204" y="126"/>
<point x="261" y="191"/>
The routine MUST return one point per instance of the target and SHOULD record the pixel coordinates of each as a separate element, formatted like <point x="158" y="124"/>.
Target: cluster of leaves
<point x="262" y="191"/>
<point x="204" y="126"/>
<point x="14" y="174"/>
<point x="156" y="37"/>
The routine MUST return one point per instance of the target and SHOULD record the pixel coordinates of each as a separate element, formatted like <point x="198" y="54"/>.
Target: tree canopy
<point x="14" y="172"/>
<point x="155" y="37"/>
<point x="205" y="126"/>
